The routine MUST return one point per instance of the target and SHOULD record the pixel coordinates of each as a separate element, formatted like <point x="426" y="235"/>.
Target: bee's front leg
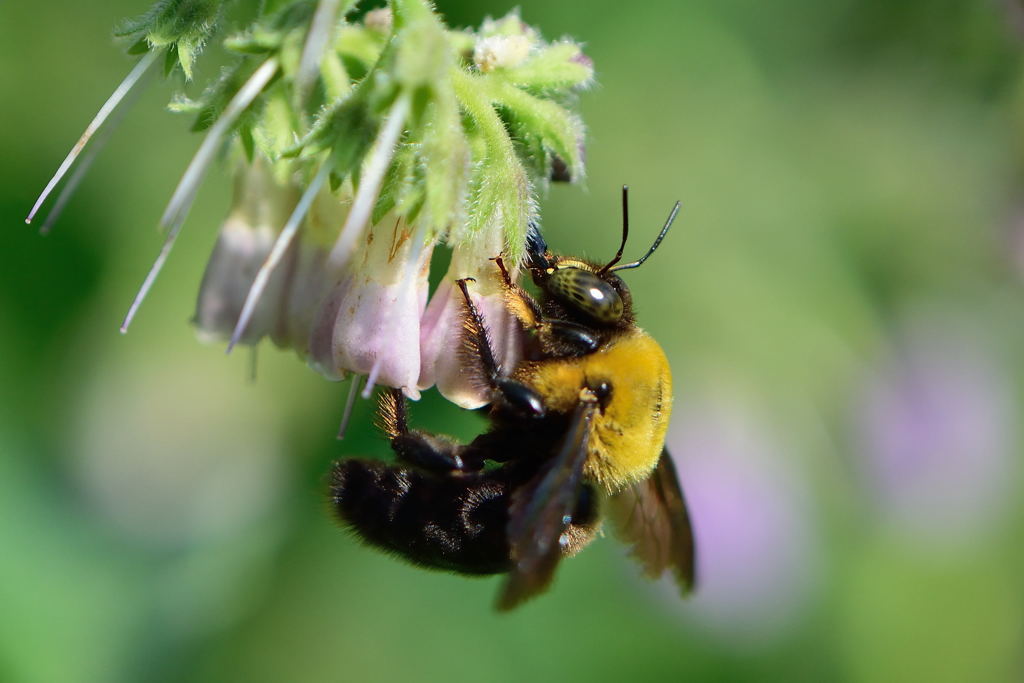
<point x="513" y="395"/>
<point x="572" y="339"/>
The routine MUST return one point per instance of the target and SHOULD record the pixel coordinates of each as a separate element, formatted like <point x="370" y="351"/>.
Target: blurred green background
<point x="841" y="303"/>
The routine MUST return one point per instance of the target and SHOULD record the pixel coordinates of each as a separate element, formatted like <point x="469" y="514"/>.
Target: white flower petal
<point x="260" y="207"/>
<point x="370" y="322"/>
<point x="442" y="332"/>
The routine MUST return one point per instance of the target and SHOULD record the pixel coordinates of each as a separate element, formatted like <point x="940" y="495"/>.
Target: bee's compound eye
<point x="582" y="290"/>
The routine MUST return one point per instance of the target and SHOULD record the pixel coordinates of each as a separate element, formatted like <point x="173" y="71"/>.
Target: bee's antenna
<point x="625" y="230"/>
<point x="661" y="236"/>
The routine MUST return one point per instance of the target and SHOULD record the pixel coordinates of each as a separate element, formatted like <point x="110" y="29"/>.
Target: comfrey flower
<point x="442" y="322"/>
<point x="360" y="147"/>
<point x="370" y="321"/>
<point x="259" y="208"/>
<point x="307" y="272"/>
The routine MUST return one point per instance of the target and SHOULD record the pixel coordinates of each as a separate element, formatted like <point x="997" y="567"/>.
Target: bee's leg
<point x="578" y="339"/>
<point x="514" y="395"/>
<point x="505" y="277"/>
<point x="517" y="300"/>
<point x="427" y="451"/>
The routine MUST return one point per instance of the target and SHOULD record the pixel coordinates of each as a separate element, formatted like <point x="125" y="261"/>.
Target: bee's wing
<point x="651" y="517"/>
<point x="541" y="511"/>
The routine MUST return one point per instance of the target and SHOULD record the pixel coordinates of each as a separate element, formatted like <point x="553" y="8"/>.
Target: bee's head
<point x="591" y="291"/>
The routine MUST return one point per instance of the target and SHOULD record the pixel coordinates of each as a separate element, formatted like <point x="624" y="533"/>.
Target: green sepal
<point x="446" y="159"/>
<point x="334" y="180"/>
<point x="290" y="52"/>
<point x="536" y="158"/>
<point x="185" y="25"/>
<point x="217" y="95"/>
<point x="248" y="143"/>
<point x="258" y="40"/>
<point x="560" y="131"/>
<point x="170" y="61"/>
<point x="334" y="77"/>
<point x="422" y="54"/>
<point x="346" y="128"/>
<point x="561" y="66"/>
<point x="273" y="130"/>
<point x="500" y="195"/>
<point x="139" y="47"/>
<point x="397" y="181"/>
<point x="360" y="45"/>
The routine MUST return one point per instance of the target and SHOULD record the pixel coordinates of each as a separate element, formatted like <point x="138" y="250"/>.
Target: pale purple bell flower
<point x="310" y="277"/>
<point x="753" y="519"/>
<point x="935" y="434"/>
<point x="370" y="321"/>
<point x="260" y="205"/>
<point x="442" y="362"/>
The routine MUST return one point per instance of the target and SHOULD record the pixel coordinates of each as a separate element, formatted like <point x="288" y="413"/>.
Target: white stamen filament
<point x="324" y="19"/>
<point x="371" y="381"/>
<point x="374" y="168"/>
<point x="281" y="244"/>
<point x="185" y="193"/>
<point x="108" y="107"/>
<point x="181" y="201"/>
<point x="350" y="401"/>
<point x="84" y="164"/>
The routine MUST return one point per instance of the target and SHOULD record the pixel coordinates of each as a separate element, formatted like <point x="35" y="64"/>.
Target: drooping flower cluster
<point x="360" y="144"/>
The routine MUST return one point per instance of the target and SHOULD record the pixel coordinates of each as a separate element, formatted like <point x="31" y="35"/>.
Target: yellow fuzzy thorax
<point x="627" y="438"/>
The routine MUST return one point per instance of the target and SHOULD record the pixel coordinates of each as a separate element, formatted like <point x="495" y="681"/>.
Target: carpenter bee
<point x="577" y="432"/>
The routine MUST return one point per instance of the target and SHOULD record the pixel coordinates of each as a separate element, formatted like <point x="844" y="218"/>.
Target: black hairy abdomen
<point x="448" y="522"/>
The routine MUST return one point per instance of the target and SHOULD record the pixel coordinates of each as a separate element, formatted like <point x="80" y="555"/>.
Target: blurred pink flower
<point x="935" y="433"/>
<point x="756" y="544"/>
